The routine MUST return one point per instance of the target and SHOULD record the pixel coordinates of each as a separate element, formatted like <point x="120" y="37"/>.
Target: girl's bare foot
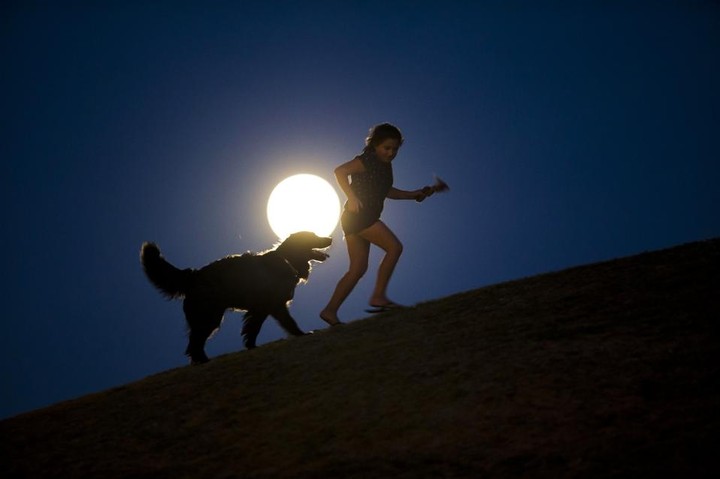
<point x="330" y="317"/>
<point x="382" y="302"/>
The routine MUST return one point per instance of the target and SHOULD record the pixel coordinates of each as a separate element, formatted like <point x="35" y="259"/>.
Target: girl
<point x="371" y="179"/>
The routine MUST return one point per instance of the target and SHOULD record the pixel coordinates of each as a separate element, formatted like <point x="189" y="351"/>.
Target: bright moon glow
<point x="303" y="203"/>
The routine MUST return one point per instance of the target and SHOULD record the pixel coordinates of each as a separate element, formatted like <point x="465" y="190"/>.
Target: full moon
<point x="303" y="203"/>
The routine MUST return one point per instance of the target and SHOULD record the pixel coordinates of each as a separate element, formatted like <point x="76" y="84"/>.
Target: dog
<point x="261" y="284"/>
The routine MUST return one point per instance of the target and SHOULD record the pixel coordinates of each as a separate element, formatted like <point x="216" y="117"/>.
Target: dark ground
<point x="610" y="369"/>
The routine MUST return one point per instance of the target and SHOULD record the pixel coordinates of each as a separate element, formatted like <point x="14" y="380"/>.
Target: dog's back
<point x="246" y="281"/>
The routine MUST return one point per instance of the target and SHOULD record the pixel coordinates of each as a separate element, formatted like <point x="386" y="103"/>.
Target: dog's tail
<point x="171" y="281"/>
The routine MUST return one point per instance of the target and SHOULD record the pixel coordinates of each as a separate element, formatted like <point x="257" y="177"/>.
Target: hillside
<point x="604" y="369"/>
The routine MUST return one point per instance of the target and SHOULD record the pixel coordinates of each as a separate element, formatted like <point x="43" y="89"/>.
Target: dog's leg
<point x="202" y="323"/>
<point x="287" y="322"/>
<point x="252" y="322"/>
<point x="196" y="346"/>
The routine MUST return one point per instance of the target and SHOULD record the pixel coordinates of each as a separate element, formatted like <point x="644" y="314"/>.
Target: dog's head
<point x="299" y="249"/>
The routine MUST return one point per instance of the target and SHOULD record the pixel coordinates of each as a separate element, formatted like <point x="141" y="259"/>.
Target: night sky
<point x="568" y="135"/>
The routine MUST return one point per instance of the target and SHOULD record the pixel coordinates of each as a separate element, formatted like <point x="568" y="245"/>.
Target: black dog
<point x="261" y="284"/>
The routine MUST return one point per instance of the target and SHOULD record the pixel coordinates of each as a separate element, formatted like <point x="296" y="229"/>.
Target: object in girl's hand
<point x="438" y="187"/>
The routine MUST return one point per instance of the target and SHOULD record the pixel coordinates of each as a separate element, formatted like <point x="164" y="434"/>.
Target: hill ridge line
<point x="283" y="342"/>
<point x="596" y="369"/>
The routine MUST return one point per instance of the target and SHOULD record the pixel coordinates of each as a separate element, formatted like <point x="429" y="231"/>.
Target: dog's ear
<point x="303" y="269"/>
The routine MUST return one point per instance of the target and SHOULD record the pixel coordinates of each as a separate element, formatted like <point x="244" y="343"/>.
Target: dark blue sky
<point x="568" y="135"/>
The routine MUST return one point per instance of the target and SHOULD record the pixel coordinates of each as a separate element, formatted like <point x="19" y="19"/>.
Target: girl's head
<point x="382" y="132"/>
<point x="385" y="140"/>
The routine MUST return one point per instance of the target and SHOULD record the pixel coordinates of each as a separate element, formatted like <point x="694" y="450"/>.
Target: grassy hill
<point x="605" y="369"/>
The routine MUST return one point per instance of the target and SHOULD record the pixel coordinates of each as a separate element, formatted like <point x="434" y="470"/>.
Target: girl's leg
<point x="379" y="234"/>
<point x="358" y="251"/>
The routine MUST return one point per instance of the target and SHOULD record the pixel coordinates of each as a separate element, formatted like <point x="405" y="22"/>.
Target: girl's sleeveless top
<point x="371" y="187"/>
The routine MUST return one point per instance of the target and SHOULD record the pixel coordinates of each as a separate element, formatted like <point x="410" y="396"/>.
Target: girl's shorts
<point x="356" y="222"/>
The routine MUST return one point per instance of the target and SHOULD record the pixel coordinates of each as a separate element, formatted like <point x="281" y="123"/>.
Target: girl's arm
<point x="342" y="173"/>
<point x="417" y="195"/>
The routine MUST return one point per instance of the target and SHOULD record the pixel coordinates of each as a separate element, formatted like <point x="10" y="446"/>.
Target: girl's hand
<point x="420" y="195"/>
<point x="354" y="205"/>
